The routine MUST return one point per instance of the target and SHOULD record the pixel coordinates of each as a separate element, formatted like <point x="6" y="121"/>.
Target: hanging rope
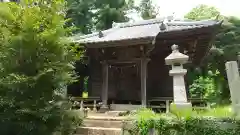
<point x="122" y="67"/>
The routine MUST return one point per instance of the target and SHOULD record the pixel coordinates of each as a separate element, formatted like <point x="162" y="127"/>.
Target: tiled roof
<point x="142" y="29"/>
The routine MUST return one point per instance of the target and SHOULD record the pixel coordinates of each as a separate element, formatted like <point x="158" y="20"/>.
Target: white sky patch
<point x="182" y="7"/>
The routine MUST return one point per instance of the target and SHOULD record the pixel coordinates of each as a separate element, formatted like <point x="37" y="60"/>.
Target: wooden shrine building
<point x="126" y="62"/>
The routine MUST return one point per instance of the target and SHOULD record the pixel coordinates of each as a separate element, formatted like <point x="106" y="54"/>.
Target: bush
<point x="205" y="87"/>
<point x="194" y="125"/>
<point x="35" y="68"/>
<point x="202" y="87"/>
<point x="190" y="126"/>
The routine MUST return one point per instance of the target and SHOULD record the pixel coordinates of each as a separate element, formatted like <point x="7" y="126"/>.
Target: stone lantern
<point x="176" y="60"/>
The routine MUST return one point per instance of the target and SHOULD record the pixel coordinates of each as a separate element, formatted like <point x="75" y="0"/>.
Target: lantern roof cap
<point x="176" y="56"/>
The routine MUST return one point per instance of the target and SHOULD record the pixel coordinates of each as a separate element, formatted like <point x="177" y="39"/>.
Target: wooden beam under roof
<point x="132" y="60"/>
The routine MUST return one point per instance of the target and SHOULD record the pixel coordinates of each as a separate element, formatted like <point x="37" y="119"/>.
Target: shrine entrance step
<point x="124" y="107"/>
<point x="98" y="131"/>
<point x="109" y="123"/>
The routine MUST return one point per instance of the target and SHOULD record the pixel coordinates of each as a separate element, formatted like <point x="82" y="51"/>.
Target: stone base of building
<point x="103" y="109"/>
<point x="124" y="107"/>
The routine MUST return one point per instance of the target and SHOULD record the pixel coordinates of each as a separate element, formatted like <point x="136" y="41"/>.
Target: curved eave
<point x="147" y="39"/>
<point x="203" y="35"/>
<point x="209" y="45"/>
<point x="202" y="50"/>
<point x="188" y="30"/>
<point x="116" y="43"/>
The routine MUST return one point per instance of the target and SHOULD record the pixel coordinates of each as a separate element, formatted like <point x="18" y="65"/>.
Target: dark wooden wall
<point x="124" y="80"/>
<point x="95" y="77"/>
<point x="76" y="88"/>
<point x="159" y="83"/>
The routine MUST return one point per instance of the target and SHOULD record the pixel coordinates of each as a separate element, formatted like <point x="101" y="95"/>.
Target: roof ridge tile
<point x="119" y="32"/>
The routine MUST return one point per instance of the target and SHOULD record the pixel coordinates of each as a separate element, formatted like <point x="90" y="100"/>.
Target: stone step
<point x="109" y="118"/>
<point x="103" y="123"/>
<point x="98" y="131"/>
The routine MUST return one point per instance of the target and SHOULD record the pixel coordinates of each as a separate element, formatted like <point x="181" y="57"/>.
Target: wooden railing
<point x="154" y="103"/>
<point x="164" y="103"/>
<point x="90" y="102"/>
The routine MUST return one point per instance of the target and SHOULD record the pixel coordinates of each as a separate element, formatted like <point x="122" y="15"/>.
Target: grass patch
<point x="220" y="111"/>
<point x="217" y="121"/>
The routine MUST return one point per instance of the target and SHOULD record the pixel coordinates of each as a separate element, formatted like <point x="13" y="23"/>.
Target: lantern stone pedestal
<point x="176" y="60"/>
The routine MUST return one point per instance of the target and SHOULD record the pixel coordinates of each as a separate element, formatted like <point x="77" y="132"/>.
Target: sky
<point x="181" y="7"/>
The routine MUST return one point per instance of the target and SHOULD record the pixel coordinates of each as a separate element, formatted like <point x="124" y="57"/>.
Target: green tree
<point x="202" y="12"/>
<point x="80" y="15"/>
<point x="202" y="80"/>
<point x="90" y="15"/>
<point x="225" y="48"/>
<point x="109" y="11"/>
<point x="147" y="9"/>
<point x="35" y="68"/>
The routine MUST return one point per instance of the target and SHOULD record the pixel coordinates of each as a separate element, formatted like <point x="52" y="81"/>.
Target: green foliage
<point x="202" y="12"/>
<point x="229" y="38"/>
<point x="169" y="125"/>
<point x="35" y="68"/>
<point x="109" y="11"/>
<point x="142" y="116"/>
<point x="204" y="87"/>
<point x="219" y="112"/>
<point x="144" y="113"/>
<point x="147" y="9"/>
<point x="184" y="111"/>
<point x="80" y="14"/>
<point x="90" y="15"/>
<point x="225" y="48"/>
<point x="86" y="83"/>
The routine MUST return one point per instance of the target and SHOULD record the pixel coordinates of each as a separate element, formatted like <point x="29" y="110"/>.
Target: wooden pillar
<point x="144" y="62"/>
<point x="167" y="106"/>
<point x="95" y="106"/>
<point x="81" y="105"/>
<point x="104" y="85"/>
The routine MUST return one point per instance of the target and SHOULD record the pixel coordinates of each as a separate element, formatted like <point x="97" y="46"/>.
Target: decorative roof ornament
<point x="163" y="26"/>
<point x="174" y="48"/>
<point x="100" y="34"/>
<point x="171" y="17"/>
<point x="217" y="17"/>
<point x="176" y="56"/>
<point x="114" y="24"/>
<point x="174" y="16"/>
